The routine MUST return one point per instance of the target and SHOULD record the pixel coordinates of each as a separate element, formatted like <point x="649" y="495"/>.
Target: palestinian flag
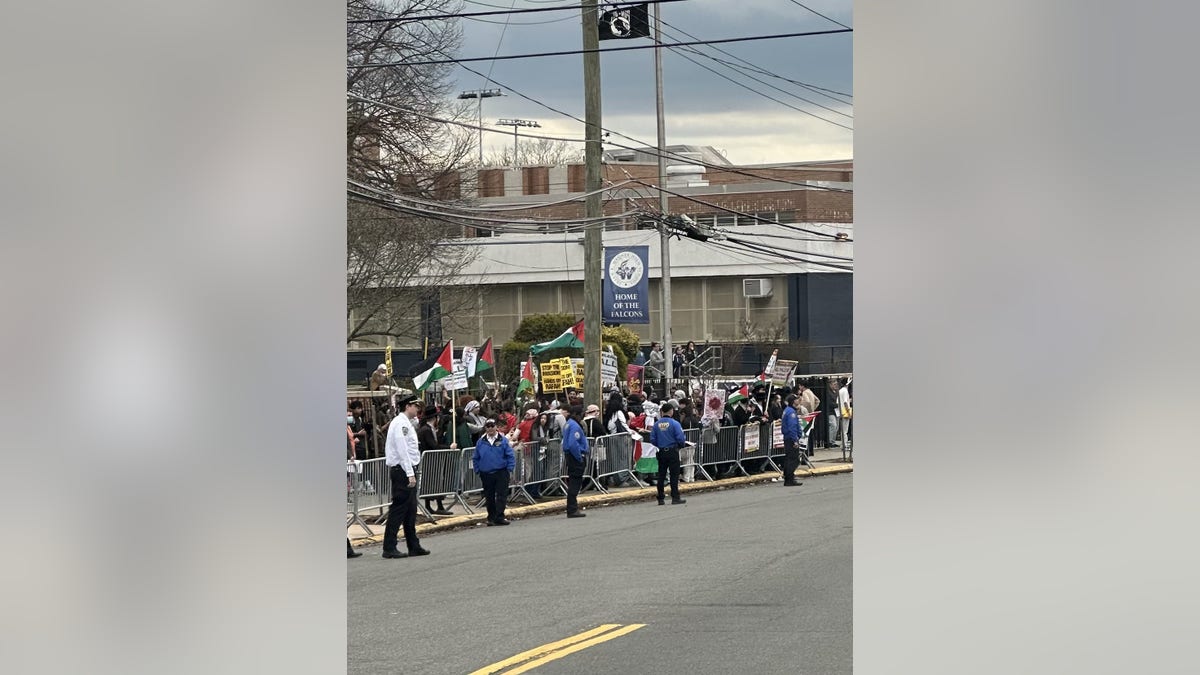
<point x="763" y="377"/>
<point x="528" y="380"/>
<point x="645" y="457"/>
<point x="739" y="395"/>
<point x="486" y="360"/>
<point x="571" y="337"/>
<point x="429" y="371"/>
<point x="807" y="420"/>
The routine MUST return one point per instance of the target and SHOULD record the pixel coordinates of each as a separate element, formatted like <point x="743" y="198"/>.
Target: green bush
<point x="544" y="327"/>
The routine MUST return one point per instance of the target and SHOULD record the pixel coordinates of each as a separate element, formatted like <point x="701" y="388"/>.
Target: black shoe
<point x="395" y="554"/>
<point x="678" y="501"/>
<point x="417" y="552"/>
<point x="353" y="554"/>
<point x="662" y="502"/>
<point x="577" y="514"/>
<point x="503" y="522"/>
<point x="443" y="512"/>
<point x="794" y="483"/>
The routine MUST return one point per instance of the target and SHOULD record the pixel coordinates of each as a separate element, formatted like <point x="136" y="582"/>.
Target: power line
<point x="773" y="248"/>
<point x="651" y="151"/>
<point x="739" y="213"/>
<point x="572" y="52"/>
<point x="440" y="17"/>
<point x="795" y="2"/>
<point x="815" y="89"/>
<point x="768" y="96"/>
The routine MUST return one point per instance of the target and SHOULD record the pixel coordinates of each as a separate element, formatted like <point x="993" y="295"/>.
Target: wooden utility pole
<point x="664" y="241"/>
<point x="593" y="254"/>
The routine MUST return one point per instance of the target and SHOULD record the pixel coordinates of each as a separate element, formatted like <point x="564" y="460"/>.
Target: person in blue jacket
<point x="575" y="447"/>
<point x="494" y="460"/>
<point x="667" y="436"/>
<point x="790" y="423"/>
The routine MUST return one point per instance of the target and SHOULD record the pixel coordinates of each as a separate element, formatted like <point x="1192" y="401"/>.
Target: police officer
<point x="790" y="424"/>
<point x="667" y="436"/>
<point x="574" y="446"/>
<point x="403" y="457"/>
<point x="494" y="461"/>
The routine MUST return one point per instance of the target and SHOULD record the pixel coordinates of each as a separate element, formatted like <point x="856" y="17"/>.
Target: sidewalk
<point x="826" y="461"/>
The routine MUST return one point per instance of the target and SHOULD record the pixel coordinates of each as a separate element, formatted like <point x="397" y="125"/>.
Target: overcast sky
<point x="700" y="107"/>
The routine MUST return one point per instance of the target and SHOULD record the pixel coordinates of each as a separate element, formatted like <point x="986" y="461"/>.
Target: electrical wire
<point x="512" y="221"/>
<point x="572" y="52"/>
<point x="795" y="2"/>
<point x="667" y="154"/>
<point x="402" y="18"/>
<point x="738" y="240"/>
<point x="697" y="52"/>
<point x="739" y="213"/>
<point x="762" y="71"/>
<point x="768" y="96"/>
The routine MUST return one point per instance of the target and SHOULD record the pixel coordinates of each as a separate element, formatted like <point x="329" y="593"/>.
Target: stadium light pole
<point x="481" y="94"/>
<point x="516" y="124"/>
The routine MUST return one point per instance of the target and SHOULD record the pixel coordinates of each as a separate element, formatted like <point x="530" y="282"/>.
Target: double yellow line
<point x="528" y="660"/>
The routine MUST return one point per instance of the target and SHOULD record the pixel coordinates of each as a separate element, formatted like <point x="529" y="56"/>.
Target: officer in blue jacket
<point x="667" y="436"/>
<point x="575" y="447"/>
<point x="790" y="424"/>
<point x="494" y="460"/>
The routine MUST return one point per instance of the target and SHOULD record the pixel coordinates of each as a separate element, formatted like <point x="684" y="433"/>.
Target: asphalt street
<point x="756" y="580"/>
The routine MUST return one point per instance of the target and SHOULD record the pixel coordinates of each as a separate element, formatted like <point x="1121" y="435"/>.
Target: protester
<point x="790" y="425"/>
<point x="427" y="439"/>
<point x="688" y="419"/>
<point x="775" y="407"/>
<point x="667" y="436"/>
<point x="656" y="363"/>
<point x="574" y="448"/>
<point x="834" y="411"/>
<point x="474" y="420"/>
<point x="494" y="461"/>
<point x="691" y="356"/>
<point x="403" y="456"/>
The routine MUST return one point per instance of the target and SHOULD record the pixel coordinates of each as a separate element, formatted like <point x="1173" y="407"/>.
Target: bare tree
<point x="398" y="141"/>
<point x="536" y="152"/>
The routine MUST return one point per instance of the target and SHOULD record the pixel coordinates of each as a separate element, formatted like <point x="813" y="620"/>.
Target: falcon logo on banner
<point x="624" y="22"/>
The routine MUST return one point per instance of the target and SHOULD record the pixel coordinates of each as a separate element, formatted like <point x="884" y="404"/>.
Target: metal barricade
<point x="721" y="447"/>
<point x="544" y="467"/>
<point x="613" y="456"/>
<point x="471" y="483"/>
<point x="440" y="475"/>
<point x="696" y="456"/>
<point x="771" y="444"/>
<point x="750" y="450"/>
<point x="369" y="488"/>
<point x="516" y="482"/>
<point x="589" y="475"/>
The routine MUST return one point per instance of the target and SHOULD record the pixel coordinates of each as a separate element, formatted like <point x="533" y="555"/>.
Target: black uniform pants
<point x="574" y="481"/>
<point x="791" y="460"/>
<point x="668" y="464"/>
<point x="403" y="511"/>
<point x="495" y="491"/>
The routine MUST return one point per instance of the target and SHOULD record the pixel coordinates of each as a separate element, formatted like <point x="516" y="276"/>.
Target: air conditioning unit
<point x="756" y="288"/>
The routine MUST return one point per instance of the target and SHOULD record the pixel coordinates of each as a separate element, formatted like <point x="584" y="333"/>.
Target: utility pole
<point x="664" y="242"/>
<point x="515" y="124"/>
<point x="593" y="254"/>
<point x="481" y="94"/>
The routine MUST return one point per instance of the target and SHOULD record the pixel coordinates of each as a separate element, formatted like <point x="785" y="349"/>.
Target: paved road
<point x="756" y="580"/>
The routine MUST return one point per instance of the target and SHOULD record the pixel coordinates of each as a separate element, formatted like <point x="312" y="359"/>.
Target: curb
<point x="600" y="500"/>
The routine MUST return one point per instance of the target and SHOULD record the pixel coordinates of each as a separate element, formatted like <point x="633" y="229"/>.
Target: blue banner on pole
<point x="626" y="284"/>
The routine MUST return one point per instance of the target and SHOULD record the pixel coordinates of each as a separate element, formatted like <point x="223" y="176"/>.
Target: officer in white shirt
<point x="402" y="457"/>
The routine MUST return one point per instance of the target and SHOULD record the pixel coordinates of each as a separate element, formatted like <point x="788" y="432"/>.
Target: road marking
<point x="544" y="649"/>
<point x="554" y="656"/>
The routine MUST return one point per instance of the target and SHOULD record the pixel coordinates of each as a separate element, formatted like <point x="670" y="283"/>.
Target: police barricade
<point x="613" y="457"/>
<point x="516" y="481"/>
<point x="692" y="457"/>
<point x="721" y="446"/>
<point x="543" y="468"/>
<point x="752" y="456"/>
<point x="770" y="442"/>
<point x="368" y="488"/>
<point x="589" y="468"/>
<point x="440" y="475"/>
<point x="471" y="484"/>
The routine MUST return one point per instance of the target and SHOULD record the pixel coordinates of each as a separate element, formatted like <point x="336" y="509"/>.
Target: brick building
<point x="720" y="293"/>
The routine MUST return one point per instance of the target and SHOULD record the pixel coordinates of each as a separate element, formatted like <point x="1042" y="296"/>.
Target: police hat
<point x="405" y="401"/>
